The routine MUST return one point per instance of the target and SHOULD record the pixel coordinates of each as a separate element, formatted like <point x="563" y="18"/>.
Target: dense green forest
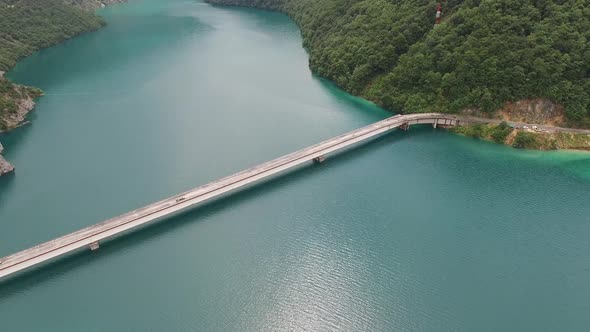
<point x="485" y="52"/>
<point x="26" y="26"/>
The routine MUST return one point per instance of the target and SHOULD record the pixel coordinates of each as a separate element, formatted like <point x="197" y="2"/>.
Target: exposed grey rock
<point x="5" y="167"/>
<point x="92" y="4"/>
<point x="14" y="120"/>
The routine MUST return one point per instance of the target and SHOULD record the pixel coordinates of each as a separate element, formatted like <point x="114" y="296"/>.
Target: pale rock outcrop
<point x="14" y="120"/>
<point x="92" y="4"/>
<point x="5" y="167"/>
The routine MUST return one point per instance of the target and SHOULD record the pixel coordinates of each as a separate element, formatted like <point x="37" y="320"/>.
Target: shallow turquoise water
<point x="418" y="231"/>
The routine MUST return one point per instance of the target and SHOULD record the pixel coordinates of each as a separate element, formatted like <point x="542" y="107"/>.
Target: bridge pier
<point x="319" y="160"/>
<point x="435" y="123"/>
<point x="94" y="246"/>
<point x="448" y="123"/>
<point x="91" y="236"/>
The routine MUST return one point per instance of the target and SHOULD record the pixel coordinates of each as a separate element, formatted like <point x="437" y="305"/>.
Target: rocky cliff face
<point x="13" y="120"/>
<point x="5" y="167"/>
<point x="538" y="111"/>
<point x="92" y="4"/>
<point x="16" y="101"/>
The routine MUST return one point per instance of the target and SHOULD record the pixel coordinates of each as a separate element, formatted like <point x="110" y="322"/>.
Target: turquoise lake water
<point x="417" y="231"/>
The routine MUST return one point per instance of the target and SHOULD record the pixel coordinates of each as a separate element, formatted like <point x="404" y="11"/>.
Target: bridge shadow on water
<point x="54" y="269"/>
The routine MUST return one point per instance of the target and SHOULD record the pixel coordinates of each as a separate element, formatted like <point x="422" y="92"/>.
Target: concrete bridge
<point x="91" y="237"/>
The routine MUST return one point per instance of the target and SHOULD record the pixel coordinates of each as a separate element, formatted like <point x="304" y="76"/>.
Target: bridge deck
<point x="90" y="236"/>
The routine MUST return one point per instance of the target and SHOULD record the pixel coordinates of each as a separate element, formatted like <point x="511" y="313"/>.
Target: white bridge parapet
<point x="91" y="236"/>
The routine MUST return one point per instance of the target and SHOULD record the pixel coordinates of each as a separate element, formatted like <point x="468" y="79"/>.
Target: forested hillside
<point x="26" y="26"/>
<point x="485" y="52"/>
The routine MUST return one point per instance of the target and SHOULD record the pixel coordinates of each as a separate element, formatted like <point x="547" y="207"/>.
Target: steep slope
<point x="15" y="102"/>
<point x="29" y="25"/>
<point x="26" y="26"/>
<point x="486" y="53"/>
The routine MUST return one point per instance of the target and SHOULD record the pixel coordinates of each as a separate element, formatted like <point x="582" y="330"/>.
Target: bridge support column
<point x="94" y="246"/>
<point x="435" y="123"/>
<point x="319" y="160"/>
<point x="405" y="127"/>
<point x="447" y="123"/>
<point x="450" y="123"/>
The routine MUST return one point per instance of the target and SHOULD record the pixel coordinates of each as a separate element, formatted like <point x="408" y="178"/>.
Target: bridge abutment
<point x="445" y="123"/>
<point x="91" y="236"/>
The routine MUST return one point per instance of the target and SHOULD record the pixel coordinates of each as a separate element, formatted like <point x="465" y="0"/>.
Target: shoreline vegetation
<point x="525" y="61"/>
<point x="518" y="61"/>
<point x="526" y="136"/>
<point x="28" y="26"/>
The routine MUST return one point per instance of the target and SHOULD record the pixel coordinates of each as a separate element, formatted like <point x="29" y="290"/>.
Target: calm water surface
<point x="418" y="231"/>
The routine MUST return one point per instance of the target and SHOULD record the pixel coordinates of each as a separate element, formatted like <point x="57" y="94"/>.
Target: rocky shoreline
<point x="17" y="101"/>
<point x="12" y="120"/>
<point x="24" y="104"/>
<point x="5" y="167"/>
<point x="528" y="136"/>
<point x="347" y="62"/>
<point x="92" y="4"/>
<point x="536" y="124"/>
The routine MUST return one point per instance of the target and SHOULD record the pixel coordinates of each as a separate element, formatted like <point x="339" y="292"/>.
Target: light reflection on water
<point x="423" y="231"/>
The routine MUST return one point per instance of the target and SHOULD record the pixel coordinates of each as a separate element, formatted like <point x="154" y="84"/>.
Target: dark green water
<point x="418" y="231"/>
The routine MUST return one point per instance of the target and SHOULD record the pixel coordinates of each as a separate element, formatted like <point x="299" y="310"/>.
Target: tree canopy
<point x="28" y="25"/>
<point x="485" y="52"/>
